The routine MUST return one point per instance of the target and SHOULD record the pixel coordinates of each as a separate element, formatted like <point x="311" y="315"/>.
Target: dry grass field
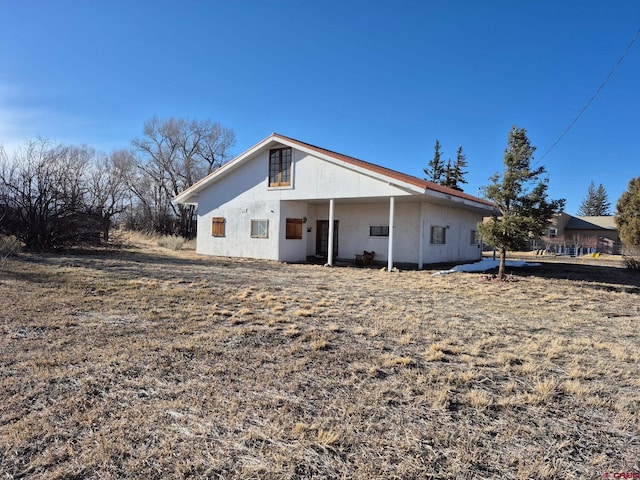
<point x="152" y="364"/>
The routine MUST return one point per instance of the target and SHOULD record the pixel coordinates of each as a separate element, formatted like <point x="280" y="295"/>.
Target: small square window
<point x="438" y="235"/>
<point x="294" y="229"/>
<point x="217" y="226"/>
<point x="553" y="232"/>
<point x="379" y="231"/>
<point x="259" y="228"/>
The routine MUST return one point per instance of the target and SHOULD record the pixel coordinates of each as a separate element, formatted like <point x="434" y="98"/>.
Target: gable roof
<point x="415" y="184"/>
<point x="591" y="223"/>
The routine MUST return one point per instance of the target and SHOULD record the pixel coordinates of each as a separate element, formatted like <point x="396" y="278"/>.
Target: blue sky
<point x="380" y="81"/>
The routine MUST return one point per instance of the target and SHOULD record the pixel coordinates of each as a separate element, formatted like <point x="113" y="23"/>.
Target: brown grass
<point x="150" y="363"/>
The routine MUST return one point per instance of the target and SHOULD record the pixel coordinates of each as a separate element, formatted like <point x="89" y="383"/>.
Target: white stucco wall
<point x="243" y="195"/>
<point x="458" y="246"/>
<point x="239" y="198"/>
<point x="353" y="230"/>
<point x="293" y="250"/>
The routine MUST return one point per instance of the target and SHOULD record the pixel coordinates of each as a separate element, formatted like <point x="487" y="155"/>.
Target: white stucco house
<point x="287" y="200"/>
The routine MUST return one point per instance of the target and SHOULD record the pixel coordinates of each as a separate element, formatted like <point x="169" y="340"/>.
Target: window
<point x="259" y="228"/>
<point x="217" y="226"/>
<point x="475" y="238"/>
<point x="438" y="235"/>
<point x="279" y="167"/>
<point x="294" y="229"/>
<point x="553" y="232"/>
<point x="379" y="231"/>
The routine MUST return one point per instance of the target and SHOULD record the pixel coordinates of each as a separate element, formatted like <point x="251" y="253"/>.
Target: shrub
<point x="172" y="242"/>
<point x="9" y="246"/>
<point x="632" y="263"/>
<point x="631" y="258"/>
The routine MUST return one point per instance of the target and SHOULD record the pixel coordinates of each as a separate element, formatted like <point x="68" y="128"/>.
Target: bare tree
<point x="175" y="153"/>
<point x="109" y="192"/>
<point x="44" y="195"/>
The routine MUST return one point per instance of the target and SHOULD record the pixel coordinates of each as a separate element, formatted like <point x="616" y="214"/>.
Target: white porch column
<point x="392" y="203"/>
<point x="330" y="242"/>
<point x="421" y="244"/>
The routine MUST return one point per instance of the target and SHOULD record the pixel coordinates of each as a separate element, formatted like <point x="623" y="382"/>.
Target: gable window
<point x="553" y="232"/>
<point x="217" y="226"/>
<point x="259" y="228"/>
<point x="379" y="230"/>
<point x="294" y="229"/>
<point x="438" y="235"/>
<point x="280" y="167"/>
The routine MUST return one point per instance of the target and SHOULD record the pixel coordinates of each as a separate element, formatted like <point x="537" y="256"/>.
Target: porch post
<point x="392" y="203"/>
<point x="421" y="244"/>
<point x="330" y="243"/>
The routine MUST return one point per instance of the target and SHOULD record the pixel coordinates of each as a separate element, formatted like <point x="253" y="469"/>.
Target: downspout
<point x="392" y="203"/>
<point x="330" y="242"/>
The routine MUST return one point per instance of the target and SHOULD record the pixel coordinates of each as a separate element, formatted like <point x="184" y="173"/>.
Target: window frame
<point x="293" y="228"/>
<point x="433" y="236"/>
<point x="259" y="234"/>
<point x="475" y="237"/>
<point x="220" y="223"/>
<point x="279" y="170"/>
<point x="381" y="228"/>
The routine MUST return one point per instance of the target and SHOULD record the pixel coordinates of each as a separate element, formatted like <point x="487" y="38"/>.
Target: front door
<point x="322" y="238"/>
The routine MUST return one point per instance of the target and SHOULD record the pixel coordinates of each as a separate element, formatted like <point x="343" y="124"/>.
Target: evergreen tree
<point x="449" y="179"/>
<point x="454" y="173"/>
<point x="520" y="196"/>
<point x="628" y="214"/>
<point x="596" y="203"/>
<point x="458" y="172"/>
<point x="603" y="206"/>
<point x="436" y="168"/>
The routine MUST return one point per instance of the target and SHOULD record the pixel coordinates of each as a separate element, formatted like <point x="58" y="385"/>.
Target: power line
<point x="593" y="97"/>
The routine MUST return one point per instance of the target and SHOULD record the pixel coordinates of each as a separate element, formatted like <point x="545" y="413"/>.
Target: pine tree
<point x="603" y="206"/>
<point x="588" y="204"/>
<point x="520" y="195"/>
<point x="449" y="178"/>
<point x="436" y="168"/>
<point x="454" y="173"/>
<point x="596" y="203"/>
<point x="628" y="214"/>
<point x="458" y="172"/>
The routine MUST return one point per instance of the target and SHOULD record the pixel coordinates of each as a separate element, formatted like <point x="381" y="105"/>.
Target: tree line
<point x="53" y="196"/>
<point x="450" y="174"/>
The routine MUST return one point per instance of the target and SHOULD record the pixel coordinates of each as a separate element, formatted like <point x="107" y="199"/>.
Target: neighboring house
<point x="575" y="235"/>
<point x="287" y="200"/>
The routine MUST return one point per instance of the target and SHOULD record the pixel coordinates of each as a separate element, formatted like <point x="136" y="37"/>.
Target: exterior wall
<point x="458" y="224"/>
<point x="239" y="200"/>
<point x="353" y="229"/>
<point x="314" y="178"/>
<point x="237" y="241"/>
<point x="294" y="250"/>
<point x="572" y="234"/>
<point x="244" y="195"/>
<point x="355" y="220"/>
<point x="560" y="223"/>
